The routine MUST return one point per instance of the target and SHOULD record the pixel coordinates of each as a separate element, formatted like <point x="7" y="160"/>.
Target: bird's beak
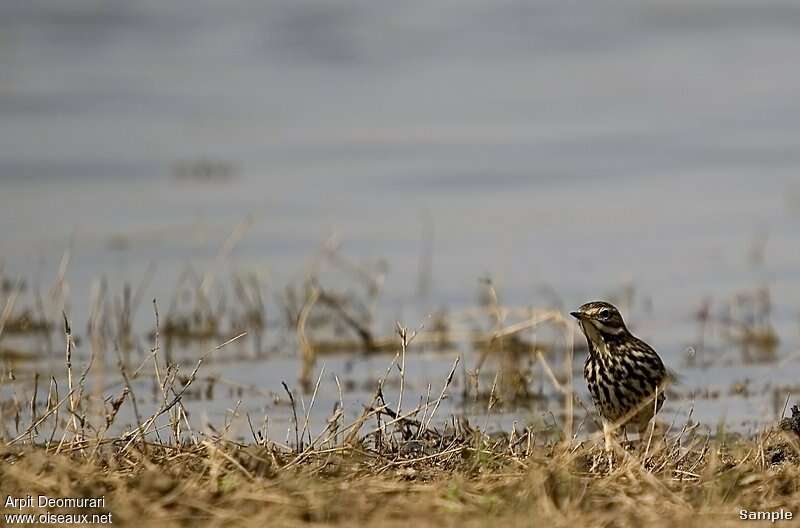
<point x="576" y="315"/>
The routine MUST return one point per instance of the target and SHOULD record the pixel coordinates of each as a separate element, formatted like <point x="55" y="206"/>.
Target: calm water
<point x="567" y="151"/>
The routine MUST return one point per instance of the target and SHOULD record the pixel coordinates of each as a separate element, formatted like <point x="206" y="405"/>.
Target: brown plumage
<point x="626" y="377"/>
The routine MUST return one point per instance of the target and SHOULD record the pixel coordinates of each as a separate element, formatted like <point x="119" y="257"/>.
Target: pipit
<point x="626" y="377"/>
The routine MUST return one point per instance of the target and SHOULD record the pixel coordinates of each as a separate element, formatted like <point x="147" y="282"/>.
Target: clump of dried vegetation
<point x="392" y="465"/>
<point x="469" y="480"/>
<point x="401" y="460"/>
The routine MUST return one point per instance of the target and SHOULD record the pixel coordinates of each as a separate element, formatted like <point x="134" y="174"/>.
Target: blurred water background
<point x="647" y="151"/>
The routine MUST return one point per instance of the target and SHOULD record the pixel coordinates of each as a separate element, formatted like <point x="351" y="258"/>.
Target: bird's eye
<point x="604" y="314"/>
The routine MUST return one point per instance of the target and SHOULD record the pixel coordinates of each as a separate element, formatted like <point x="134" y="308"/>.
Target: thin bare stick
<point x="652" y="428"/>
<point x="133" y="398"/>
<point x="294" y="413"/>
<point x="405" y="340"/>
<point x="402" y="331"/>
<point x="70" y="344"/>
<point x="311" y="403"/>
<point x="33" y="402"/>
<point x="444" y="389"/>
<point x="40" y="420"/>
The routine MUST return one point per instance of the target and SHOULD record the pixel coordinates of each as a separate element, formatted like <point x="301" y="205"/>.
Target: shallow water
<point x="567" y="151"/>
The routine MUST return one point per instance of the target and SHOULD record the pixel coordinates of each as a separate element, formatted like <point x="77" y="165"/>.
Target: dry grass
<point x="471" y="481"/>
<point x="389" y="467"/>
<point x="399" y="462"/>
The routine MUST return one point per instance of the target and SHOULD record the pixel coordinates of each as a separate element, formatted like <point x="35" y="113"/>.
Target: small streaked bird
<point x="626" y="377"/>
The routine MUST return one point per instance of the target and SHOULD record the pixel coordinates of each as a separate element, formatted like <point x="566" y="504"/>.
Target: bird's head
<point x="601" y="317"/>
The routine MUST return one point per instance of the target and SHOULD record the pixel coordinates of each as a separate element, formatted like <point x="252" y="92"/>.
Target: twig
<point x="311" y="403"/>
<point x="294" y="413"/>
<point x="444" y="389"/>
<point x="39" y="421"/>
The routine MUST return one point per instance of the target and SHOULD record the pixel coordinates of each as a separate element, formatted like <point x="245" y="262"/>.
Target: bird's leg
<point x="607" y="434"/>
<point x="607" y="437"/>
